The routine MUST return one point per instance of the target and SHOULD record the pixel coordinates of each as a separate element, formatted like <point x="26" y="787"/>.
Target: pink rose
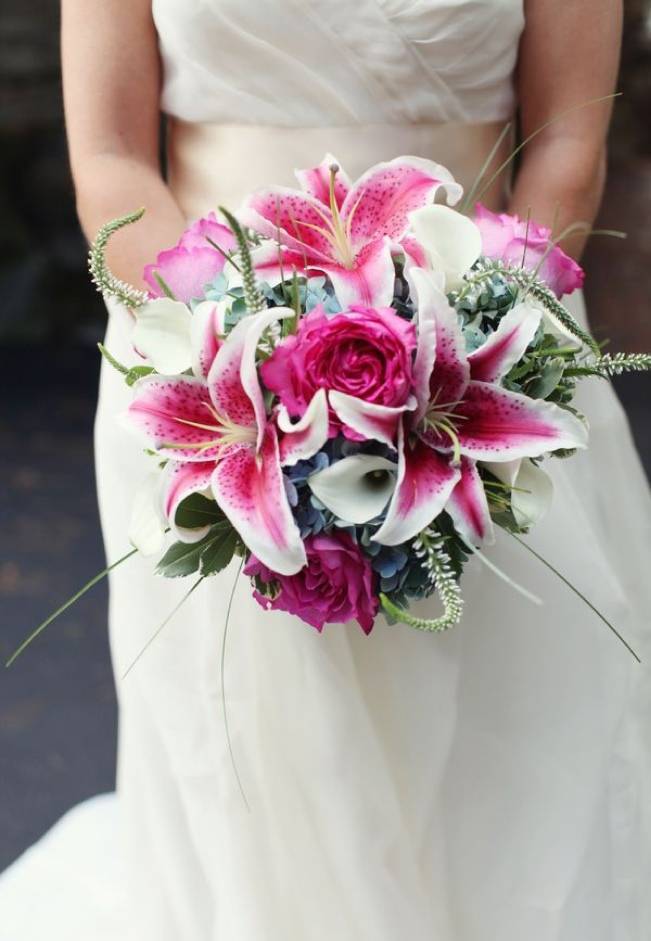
<point x="193" y="262"/>
<point x="504" y="236"/>
<point x="361" y="351"/>
<point x="335" y="586"/>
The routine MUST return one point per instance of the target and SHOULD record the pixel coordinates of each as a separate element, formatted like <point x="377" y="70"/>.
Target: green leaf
<point x="183" y="558"/>
<point x="137" y="372"/>
<point x="220" y="551"/>
<point x="546" y="381"/>
<point x="197" y="511"/>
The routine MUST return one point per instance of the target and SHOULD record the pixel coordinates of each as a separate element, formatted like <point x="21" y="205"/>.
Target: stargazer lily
<point x="216" y="434"/>
<point x="344" y="230"/>
<point x="465" y="416"/>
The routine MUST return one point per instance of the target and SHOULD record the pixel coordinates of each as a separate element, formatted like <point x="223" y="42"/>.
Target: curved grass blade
<point x="68" y="604"/>
<point x="576" y="591"/>
<point x="222" y="672"/>
<point x="161" y="626"/>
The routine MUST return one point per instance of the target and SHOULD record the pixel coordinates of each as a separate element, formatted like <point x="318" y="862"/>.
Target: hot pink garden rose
<point x="362" y="351"/>
<point x="504" y="237"/>
<point x="335" y="586"/>
<point x="193" y="262"/>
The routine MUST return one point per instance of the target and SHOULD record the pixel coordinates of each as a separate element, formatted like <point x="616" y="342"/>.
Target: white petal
<point x="349" y="489"/>
<point x="147" y="527"/>
<point x="162" y="334"/>
<point x="533" y="489"/>
<point x="452" y="240"/>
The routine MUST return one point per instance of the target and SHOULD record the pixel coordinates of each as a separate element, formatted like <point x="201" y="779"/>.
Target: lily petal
<point x="497" y="425"/>
<point x="356" y="488"/>
<point x="256" y="325"/>
<point x="179" y="482"/>
<point x="427" y="295"/>
<point x="229" y="397"/>
<point x="174" y="414"/>
<point x="451" y="370"/>
<point x="291" y="218"/>
<point x="206" y="330"/>
<point x="302" y="439"/>
<point x="425" y="481"/>
<point x="468" y="507"/>
<point x="451" y="240"/>
<point x="380" y="201"/>
<point x="372" y="421"/>
<point x="162" y="335"/>
<point x="249" y="489"/>
<point x="503" y="348"/>
<point x="316" y="181"/>
<point x="533" y="489"/>
<point x="370" y="282"/>
<point x="147" y="526"/>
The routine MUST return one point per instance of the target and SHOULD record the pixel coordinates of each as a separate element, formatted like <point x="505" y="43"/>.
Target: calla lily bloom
<point x="346" y="231"/>
<point x="532" y="489"/>
<point x="175" y="339"/>
<point x="465" y="416"/>
<point x="216" y="434"/>
<point x="356" y="488"/>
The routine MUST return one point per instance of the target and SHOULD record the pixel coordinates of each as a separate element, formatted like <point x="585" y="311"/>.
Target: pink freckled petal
<point x="370" y="281"/>
<point x="226" y="390"/>
<point x="381" y="200"/>
<point x="181" y="480"/>
<point x="290" y="217"/>
<point x="249" y="489"/>
<point x="167" y="409"/>
<point x="468" y="506"/>
<point x="507" y="345"/>
<point x="425" y="481"/>
<point x="316" y="181"/>
<point x="498" y="425"/>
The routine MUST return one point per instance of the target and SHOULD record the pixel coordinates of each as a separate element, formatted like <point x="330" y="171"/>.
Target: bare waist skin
<point x="218" y="164"/>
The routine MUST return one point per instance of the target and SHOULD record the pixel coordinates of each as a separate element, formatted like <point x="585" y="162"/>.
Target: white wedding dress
<point x="489" y="784"/>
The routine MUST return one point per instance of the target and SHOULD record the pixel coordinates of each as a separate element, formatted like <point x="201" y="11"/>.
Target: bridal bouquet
<point x="349" y="386"/>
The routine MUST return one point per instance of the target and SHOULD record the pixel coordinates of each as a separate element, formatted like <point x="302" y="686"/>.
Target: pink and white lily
<point x="465" y="416"/>
<point x="217" y="436"/>
<point x="347" y="231"/>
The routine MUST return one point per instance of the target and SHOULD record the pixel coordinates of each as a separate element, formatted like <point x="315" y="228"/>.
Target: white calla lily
<point x="356" y="488"/>
<point x="532" y="492"/>
<point x="147" y="526"/>
<point x="451" y="240"/>
<point x="162" y="334"/>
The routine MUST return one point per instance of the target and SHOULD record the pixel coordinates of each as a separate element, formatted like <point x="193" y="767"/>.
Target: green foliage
<point x="197" y="511"/>
<point x="208" y="556"/>
<point x="430" y="546"/>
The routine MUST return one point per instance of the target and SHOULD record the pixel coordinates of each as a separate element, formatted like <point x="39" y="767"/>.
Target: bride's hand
<point x="111" y="84"/>
<point x="569" y="54"/>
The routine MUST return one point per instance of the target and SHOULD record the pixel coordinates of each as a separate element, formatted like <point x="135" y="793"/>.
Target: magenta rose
<point x="504" y="237"/>
<point x="193" y="262"/>
<point x="362" y="351"/>
<point x="335" y="586"/>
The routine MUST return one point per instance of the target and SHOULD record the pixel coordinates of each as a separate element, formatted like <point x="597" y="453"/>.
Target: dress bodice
<point x="314" y="63"/>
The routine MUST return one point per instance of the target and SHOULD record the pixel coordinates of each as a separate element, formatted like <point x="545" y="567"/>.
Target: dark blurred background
<point x="57" y="704"/>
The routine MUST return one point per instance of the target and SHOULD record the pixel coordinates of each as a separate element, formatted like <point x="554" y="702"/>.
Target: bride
<point x="490" y="783"/>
